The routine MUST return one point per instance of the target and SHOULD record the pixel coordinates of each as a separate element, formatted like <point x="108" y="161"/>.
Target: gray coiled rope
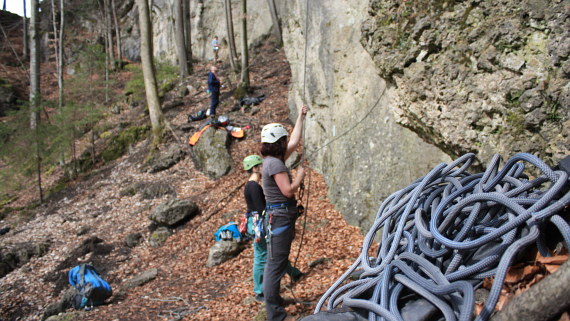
<point x="447" y="231"/>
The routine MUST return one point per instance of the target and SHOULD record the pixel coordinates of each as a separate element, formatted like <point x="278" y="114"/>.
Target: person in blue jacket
<point x="214" y="85"/>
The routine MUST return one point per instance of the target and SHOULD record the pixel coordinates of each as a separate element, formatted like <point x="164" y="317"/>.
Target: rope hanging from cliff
<point x="447" y="231"/>
<point x="302" y="188"/>
<point x="305" y="208"/>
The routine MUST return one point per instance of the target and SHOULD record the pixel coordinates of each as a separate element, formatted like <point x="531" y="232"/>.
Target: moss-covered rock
<point x="158" y="237"/>
<point x="165" y="159"/>
<point x="210" y="154"/>
<point x="69" y="316"/>
<point x="472" y="76"/>
<point x="119" y="144"/>
<point x="20" y="254"/>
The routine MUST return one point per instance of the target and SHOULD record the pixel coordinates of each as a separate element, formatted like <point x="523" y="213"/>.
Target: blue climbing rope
<point x="447" y="231"/>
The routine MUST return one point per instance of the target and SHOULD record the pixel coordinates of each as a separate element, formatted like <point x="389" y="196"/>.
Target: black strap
<point x="82" y="275"/>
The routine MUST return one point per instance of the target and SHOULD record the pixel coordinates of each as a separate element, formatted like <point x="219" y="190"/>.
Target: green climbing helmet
<point x="250" y="161"/>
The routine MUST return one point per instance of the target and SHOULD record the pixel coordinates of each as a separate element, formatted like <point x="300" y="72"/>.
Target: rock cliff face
<point x="208" y="20"/>
<point x="351" y="133"/>
<point x="481" y="76"/>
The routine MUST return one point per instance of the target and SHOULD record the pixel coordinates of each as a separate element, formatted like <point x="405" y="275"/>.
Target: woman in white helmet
<point x="281" y="207"/>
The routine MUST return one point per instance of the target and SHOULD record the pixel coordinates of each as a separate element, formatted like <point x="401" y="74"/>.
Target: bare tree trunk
<point x="244" y="53"/>
<point x="188" y="33"/>
<point x="276" y="25"/>
<point x="61" y="58"/>
<point x="55" y="33"/>
<point x="25" y="49"/>
<point x="117" y="34"/>
<point x="230" y="31"/>
<point x="39" y="165"/>
<point x="58" y="48"/>
<point x="109" y="32"/>
<point x="180" y="39"/>
<point x="73" y="139"/>
<point x="90" y="71"/>
<point x="34" y="65"/>
<point x="156" y="117"/>
<point x="107" y="70"/>
<point x="35" y="94"/>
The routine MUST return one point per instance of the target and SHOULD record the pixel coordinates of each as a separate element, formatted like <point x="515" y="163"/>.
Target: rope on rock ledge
<point x="447" y="231"/>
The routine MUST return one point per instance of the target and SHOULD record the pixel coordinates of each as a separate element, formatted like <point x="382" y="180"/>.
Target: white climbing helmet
<point x="271" y="133"/>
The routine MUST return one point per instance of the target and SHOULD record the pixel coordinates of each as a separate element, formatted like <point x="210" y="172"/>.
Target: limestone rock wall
<point x="351" y="133"/>
<point x="208" y="20"/>
<point x="481" y="76"/>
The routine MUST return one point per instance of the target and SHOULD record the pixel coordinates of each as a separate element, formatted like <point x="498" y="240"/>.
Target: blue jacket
<point x="213" y="83"/>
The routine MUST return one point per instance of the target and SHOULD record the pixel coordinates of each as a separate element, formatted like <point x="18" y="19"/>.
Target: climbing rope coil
<point x="446" y="232"/>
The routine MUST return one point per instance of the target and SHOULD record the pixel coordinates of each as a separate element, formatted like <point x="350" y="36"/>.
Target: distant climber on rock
<point x="214" y="85"/>
<point x="281" y="207"/>
<point x="255" y="200"/>
<point x="215" y="48"/>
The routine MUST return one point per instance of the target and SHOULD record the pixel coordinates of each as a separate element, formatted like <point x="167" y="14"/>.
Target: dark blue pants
<point x="214" y="101"/>
<point x="279" y="247"/>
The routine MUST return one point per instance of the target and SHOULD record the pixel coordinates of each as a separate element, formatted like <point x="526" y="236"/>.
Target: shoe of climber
<point x="296" y="278"/>
<point x="259" y="297"/>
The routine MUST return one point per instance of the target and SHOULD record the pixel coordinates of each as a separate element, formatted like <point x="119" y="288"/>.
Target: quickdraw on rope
<point x="300" y="207"/>
<point x="446" y="232"/>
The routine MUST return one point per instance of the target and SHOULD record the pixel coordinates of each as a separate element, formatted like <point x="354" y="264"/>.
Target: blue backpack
<point x="228" y="232"/>
<point x="91" y="289"/>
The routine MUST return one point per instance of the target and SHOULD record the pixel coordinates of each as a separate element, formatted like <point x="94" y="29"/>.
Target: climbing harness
<point x="272" y="206"/>
<point x="447" y="231"/>
<point x="271" y="232"/>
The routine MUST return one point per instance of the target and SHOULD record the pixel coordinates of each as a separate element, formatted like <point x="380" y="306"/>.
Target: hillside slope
<point x="184" y="284"/>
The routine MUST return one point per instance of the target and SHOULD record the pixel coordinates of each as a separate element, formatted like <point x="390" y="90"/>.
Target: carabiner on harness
<point x="300" y="209"/>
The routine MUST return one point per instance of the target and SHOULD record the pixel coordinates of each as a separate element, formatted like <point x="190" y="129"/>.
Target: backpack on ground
<point x="201" y="114"/>
<point x="91" y="289"/>
<point x="228" y="232"/>
<point x="251" y="101"/>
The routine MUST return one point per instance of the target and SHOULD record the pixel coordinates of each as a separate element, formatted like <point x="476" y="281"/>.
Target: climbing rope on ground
<point x="446" y="232"/>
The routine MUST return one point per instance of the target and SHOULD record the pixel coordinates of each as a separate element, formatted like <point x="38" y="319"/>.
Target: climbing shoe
<point x="296" y="278"/>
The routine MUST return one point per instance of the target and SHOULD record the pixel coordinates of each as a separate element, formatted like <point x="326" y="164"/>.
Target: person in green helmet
<point x="255" y="200"/>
